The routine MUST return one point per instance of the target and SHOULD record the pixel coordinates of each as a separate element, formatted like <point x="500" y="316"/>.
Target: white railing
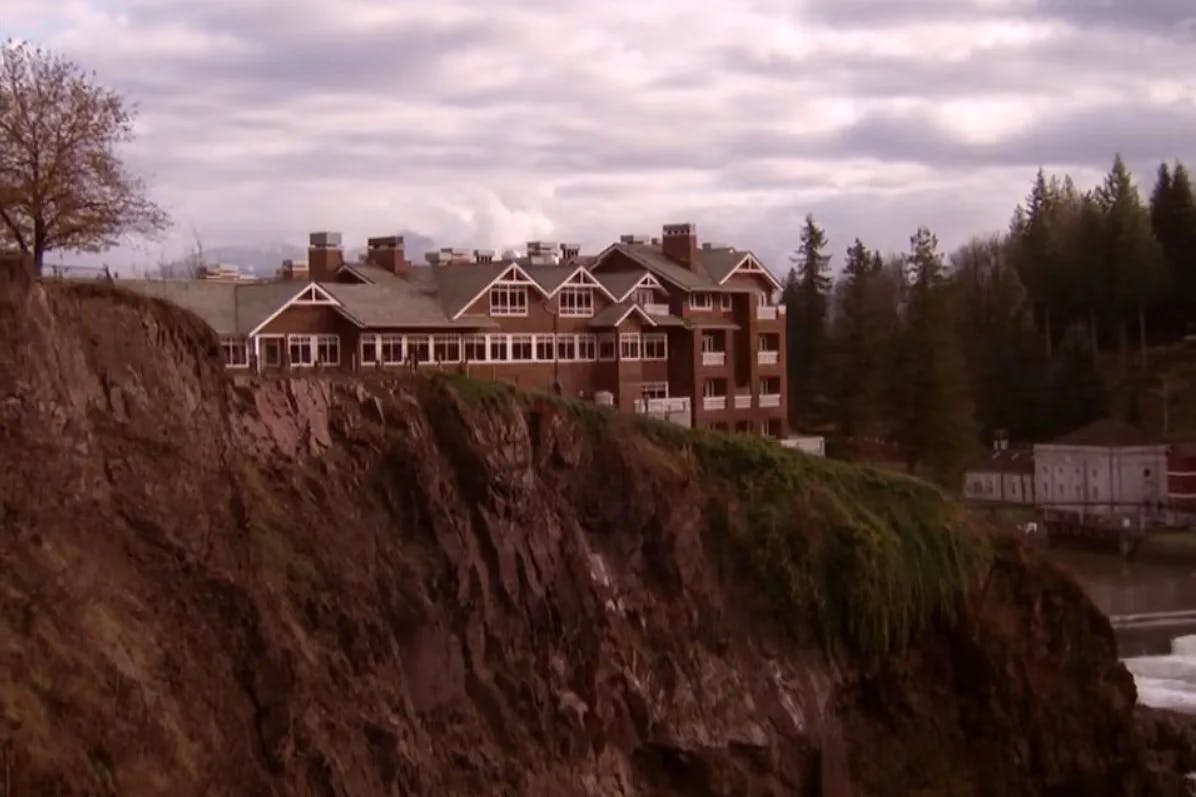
<point x="767" y="312"/>
<point x="768" y="357"/>
<point x="770" y="400"/>
<point x="743" y="401"/>
<point x="656" y="309"/>
<point x="714" y="402"/>
<point x="662" y="406"/>
<point x="714" y="358"/>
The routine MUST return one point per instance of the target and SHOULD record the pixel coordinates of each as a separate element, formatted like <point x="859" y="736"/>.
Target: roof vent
<point x="686" y="229"/>
<point x="385" y="242"/>
<point x="633" y="239"/>
<point x="325" y="240"/>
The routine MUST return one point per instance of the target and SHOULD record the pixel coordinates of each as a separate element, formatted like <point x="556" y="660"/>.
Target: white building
<point x="1004" y="475"/>
<point x="1107" y="468"/>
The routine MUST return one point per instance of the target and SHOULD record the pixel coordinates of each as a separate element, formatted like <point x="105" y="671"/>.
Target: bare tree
<point x="62" y="184"/>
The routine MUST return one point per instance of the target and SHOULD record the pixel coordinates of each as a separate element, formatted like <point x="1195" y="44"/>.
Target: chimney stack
<point x="680" y="244"/>
<point x="387" y="252"/>
<point x="324" y="256"/>
<point x="569" y="252"/>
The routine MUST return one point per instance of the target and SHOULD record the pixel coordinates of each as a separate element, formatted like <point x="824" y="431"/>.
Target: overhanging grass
<point x="873" y="559"/>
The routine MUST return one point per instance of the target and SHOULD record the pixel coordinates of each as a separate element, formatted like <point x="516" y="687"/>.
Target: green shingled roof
<point x="620" y="283"/>
<point x="228" y="308"/>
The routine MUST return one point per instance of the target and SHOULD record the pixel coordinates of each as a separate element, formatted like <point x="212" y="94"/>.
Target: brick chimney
<point x="324" y="256"/>
<point x="387" y="252"/>
<point x="569" y="252"/>
<point x="680" y="244"/>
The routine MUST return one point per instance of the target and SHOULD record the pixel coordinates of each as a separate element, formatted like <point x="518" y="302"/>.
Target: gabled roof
<point x="620" y="283"/>
<point x="460" y="286"/>
<point x="710" y="274"/>
<point x="616" y="314"/>
<point x="229" y="308"/>
<point x="392" y="305"/>
<point x="1107" y="432"/>
<point x="552" y="278"/>
<point x="721" y="263"/>
<point x="1009" y="460"/>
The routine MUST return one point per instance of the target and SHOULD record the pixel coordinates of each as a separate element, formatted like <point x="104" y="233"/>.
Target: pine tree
<point x="933" y="419"/>
<point x="1079" y="396"/>
<point x="1133" y="261"/>
<point x="1173" y="221"/>
<point x="866" y="315"/>
<point x="806" y="321"/>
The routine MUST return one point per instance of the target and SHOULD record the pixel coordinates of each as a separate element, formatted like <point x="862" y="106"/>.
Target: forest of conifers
<point x="935" y="353"/>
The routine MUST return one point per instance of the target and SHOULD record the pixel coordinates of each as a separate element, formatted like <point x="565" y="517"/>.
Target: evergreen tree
<point x="1133" y="266"/>
<point x="1173" y="220"/>
<point x="933" y="423"/>
<point x="1077" y="390"/>
<point x="865" y="316"/>
<point x="806" y="320"/>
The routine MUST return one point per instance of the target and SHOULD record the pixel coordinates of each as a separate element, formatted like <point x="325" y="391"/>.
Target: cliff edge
<point x="432" y="586"/>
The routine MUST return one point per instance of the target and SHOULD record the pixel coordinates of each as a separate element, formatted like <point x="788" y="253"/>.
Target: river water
<point x="1143" y="598"/>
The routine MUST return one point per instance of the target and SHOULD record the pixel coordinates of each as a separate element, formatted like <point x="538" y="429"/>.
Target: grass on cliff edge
<point x="873" y="558"/>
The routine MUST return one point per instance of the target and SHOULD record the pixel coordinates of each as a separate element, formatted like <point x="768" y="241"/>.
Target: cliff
<point x="436" y="586"/>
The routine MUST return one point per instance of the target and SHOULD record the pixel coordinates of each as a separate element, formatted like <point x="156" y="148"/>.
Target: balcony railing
<point x="714" y="358"/>
<point x="767" y="312"/>
<point x="768" y="357"/>
<point x="677" y="409"/>
<point x="771" y="400"/>
<point x="714" y="402"/>
<point x="743" y="401"/>
<point x="656" y="309"/>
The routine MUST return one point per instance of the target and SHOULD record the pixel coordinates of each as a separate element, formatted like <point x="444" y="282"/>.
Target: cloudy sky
<point x="492" y="122"/>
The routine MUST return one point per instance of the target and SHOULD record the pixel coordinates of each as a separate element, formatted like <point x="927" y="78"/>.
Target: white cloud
<point x="492" y="122"/>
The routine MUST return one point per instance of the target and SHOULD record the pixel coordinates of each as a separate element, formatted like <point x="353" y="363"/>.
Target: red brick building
<point x="665" y="326"/>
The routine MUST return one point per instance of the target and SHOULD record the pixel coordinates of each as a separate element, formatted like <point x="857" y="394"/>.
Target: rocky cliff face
<point x="425" y="587"/>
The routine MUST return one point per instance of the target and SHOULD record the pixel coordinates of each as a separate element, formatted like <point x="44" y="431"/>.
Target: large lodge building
<point x="666" y="327"/>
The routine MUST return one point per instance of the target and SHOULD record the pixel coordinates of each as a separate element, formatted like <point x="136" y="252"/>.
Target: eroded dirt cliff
<point x="428" y="587"/>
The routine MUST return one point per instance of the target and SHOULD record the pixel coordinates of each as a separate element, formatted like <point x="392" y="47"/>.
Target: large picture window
<point x="235" y="351"/>
<point x="566" y="348"/>
<point x="392" y="349"/>
<point x="508" y="300"/>
<point x="475" y="348"/>
<point x="498" y="349"/>
<point x="521" y="348"/>
<point x="419" y="348"/>
<point x="446" y="348"/>
<point x="656" y="346"/>
<point x="629" y="346"/>
<point x="544" y="348"/>
<point x="328" y="349"/>
<point x="300" y="351"/>
<point x="587" y="347"/>
<point x="577" y="302"/>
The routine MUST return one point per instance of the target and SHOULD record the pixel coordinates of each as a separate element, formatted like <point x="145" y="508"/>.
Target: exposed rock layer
<point x="317" y="587"/>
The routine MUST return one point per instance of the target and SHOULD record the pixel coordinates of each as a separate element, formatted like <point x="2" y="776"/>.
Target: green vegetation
<point x="873" y="558"/>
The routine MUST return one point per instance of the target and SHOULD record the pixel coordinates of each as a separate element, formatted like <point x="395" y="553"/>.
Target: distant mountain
<point x="264" y="260"/>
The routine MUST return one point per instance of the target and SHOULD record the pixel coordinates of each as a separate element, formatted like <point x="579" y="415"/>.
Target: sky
<point x="488" y="123"/>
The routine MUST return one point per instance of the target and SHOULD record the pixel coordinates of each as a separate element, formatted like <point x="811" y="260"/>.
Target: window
<point x="644" y="296"/>
<point x="770" y="385"/>
<point x="587" y="347"/>
<point x="418" y="348"/>
<point x="724" y="302"/>
<point x="712" y="343"/>
<point x="770" y="342"/>
<point x="521" y="348"/>
<point x="577" y="302"/>
<point x="656" y="347"/>
<point x="701" y="301"/>
<point x="391" y="348"/>
<point x="762" y="300"/>
<point x="566" y="348"/>
<point x="446" y="348"/>
<point x="475" y="348"/>
<point x="713" y="388"/>
<point x="235" y="351"/>
<point x="300" y="350"/>
<point x="271" y="349"/>
<point x="606" y="347"/>
<point x="508" y="300"/>
<point x="654" y="390"/>
<point x="498" y="348"/>
<point x="369" y="349"/>
<point x="544" y="347"/>
<point x="629" y="346"/>
<point x="328" y="349"/>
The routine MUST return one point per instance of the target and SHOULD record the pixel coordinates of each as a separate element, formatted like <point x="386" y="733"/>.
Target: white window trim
<point x="582" y="277"/>
<point x="475" y="339"/>
<point x="613" y="340"/>
<point x="592" y="340"/>
<point x="707" y="302"/>
<point x="750" y="265"/>
<point x="711" y="385"/>
<point x="509" y="291"/>
<point x="648" y="281"/>
<point x="576" y="292"/>
<point x="514" y="275"/>
<point x="324" y="299"/>
<point x="629" y="337"/>
<point x="282" y="350"/>
<point x="447" y="339"/>
<point x="521" y="337"/>
<point x="237" y="342"/>
<point x="714" y="339"/>
<point x="317" y="340"/>
<point x="725" y="302"/>
<point x="654" y="337"/>
<point x="311" y="346"/>
<point x="658" y="387"/>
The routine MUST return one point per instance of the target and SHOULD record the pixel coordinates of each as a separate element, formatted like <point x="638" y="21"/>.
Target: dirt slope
<point x="321" y="588"/>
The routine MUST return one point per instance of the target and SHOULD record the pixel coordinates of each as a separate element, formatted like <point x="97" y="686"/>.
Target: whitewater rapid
<point x="1167" y="681"/>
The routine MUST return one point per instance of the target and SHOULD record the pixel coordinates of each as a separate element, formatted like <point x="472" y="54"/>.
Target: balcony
<point x="771" y="400"/>
<point x="768" y="357"/>
<point x="714" y="358"/>
<point x="677" y="409"/>
<point x="743" y="401"/>
<point x="767" y="312"/>
<point x="714" y="402"/>
<point x="656" y="309"/>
